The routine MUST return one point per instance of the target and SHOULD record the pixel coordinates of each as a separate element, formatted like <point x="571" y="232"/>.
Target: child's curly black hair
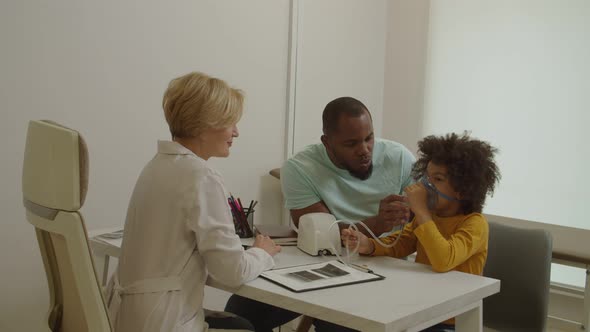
<point x="470" y="166"/>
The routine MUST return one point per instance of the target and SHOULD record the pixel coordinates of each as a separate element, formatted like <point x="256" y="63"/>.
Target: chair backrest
<point x="54" y="182"/>
<point x="521" y="259"/>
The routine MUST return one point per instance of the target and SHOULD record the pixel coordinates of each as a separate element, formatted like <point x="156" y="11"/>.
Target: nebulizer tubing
<point x="353" y="226"/>
<point x="432" y="199"/>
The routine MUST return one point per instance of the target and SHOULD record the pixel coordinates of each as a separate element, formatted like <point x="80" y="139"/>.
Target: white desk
<point x="103" y="251"/>
<point x="411" y="297"/>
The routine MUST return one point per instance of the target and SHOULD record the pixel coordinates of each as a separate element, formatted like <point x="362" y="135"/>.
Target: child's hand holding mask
<point x="418" y="199"/>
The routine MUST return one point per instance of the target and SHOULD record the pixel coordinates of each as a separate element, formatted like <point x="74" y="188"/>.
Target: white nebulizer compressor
<point x="316" y="236"/>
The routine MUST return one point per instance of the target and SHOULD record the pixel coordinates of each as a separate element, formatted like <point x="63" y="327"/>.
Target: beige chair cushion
<point x="51" y="157"/>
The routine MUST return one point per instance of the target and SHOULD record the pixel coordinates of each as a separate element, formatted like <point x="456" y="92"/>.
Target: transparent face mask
<point x="433" y="193"/>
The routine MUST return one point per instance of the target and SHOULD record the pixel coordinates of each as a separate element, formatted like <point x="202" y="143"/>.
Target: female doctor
<point x="179" y="228"/>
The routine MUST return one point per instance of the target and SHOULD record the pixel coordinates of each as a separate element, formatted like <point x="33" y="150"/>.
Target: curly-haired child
<point x="453" y="174"/>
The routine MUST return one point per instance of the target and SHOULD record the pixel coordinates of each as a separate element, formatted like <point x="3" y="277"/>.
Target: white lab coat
<point x="179" y="231"/>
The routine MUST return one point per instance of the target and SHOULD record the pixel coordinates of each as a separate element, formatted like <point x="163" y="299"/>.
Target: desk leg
<point x="304" y="324"/>
<point x="471" y="320"/>
<point x="105" y="270"/>
<point x="101" y="264"/>
<point x="586" y="318"/>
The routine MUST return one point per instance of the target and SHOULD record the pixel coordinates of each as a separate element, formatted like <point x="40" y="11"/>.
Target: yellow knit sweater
<point x="458" y="243"/>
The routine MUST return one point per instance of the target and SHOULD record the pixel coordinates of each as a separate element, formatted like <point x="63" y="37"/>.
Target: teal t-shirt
<point x="310" y="177"/>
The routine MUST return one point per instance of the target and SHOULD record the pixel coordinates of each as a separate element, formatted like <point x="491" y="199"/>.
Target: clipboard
<point x="308" y="277"/>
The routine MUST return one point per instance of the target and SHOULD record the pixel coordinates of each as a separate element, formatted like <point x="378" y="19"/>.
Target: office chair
<point x="276" y="173"/>
<point x="521" y="259"/>
<point x="54" y="184"/>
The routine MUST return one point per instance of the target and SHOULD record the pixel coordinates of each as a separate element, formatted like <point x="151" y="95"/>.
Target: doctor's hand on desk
<point x="265" y="243"/>
<point x="351" y="238"/>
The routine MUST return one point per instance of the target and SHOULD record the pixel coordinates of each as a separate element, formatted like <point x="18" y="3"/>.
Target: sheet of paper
<point x="249" y="241"/>
<point x="114" y="242"/>
<point x="317" y="276"/>
<point x="113" y="238"/>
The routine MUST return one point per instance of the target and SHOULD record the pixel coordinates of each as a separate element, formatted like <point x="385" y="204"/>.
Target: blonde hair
<point x="196" y="102"/>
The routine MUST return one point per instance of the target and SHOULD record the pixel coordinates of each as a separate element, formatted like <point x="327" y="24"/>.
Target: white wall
<point x="514" y="73"/>
<point x="405" y="62"/>
<point x="340" y="52"/>
<point x="102" y="67"/>
<point x="517" y="73"/>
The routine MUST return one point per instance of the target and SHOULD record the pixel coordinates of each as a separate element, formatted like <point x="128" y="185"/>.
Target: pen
<point x="361" y="268"/>
<point x="237" y="225"/>
<point x="239" y="217"/>
<point x="358" y="267"/>
<point x="250" y="206"/>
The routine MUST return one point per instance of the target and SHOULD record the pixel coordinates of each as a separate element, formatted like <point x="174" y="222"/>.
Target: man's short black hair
<point x="343" y="105"/>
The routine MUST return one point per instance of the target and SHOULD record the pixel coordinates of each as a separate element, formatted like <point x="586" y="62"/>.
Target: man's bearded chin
<point x="362" y="175"/>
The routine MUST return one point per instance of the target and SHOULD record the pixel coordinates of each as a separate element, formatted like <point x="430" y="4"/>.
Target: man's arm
<point x="321" y="207"/>
<point x="317" y="207"/>
<point x="391" y="213"/>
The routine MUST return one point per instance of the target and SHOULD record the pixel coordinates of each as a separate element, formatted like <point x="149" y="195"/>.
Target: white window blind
<point x="517" y="74"/>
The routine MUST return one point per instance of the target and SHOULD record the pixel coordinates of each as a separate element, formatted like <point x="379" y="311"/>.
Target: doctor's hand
<point x="351" y="238"/>
<point x="393" y="211"/>
<point x="265" y="243"/>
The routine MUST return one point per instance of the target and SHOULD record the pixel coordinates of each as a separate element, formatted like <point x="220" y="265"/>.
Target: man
<point x="351" y="175"/>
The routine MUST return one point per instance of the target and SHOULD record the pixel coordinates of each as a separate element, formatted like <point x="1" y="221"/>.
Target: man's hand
<point x="393" y="211"/>
<point x="351" y="238"/>
<point x="265" y="243"/>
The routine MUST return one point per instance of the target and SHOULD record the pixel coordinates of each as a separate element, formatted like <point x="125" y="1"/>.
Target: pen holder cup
<point x="250" y="220"/>
<point x="243" y="224"/>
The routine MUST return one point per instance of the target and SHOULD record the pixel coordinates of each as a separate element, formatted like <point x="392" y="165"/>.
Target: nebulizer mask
<point x="433" y="193"/>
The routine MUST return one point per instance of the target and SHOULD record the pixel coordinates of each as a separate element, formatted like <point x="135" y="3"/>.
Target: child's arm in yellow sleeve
<point x="404" y="247"/>
<point x="445" y="255"/>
